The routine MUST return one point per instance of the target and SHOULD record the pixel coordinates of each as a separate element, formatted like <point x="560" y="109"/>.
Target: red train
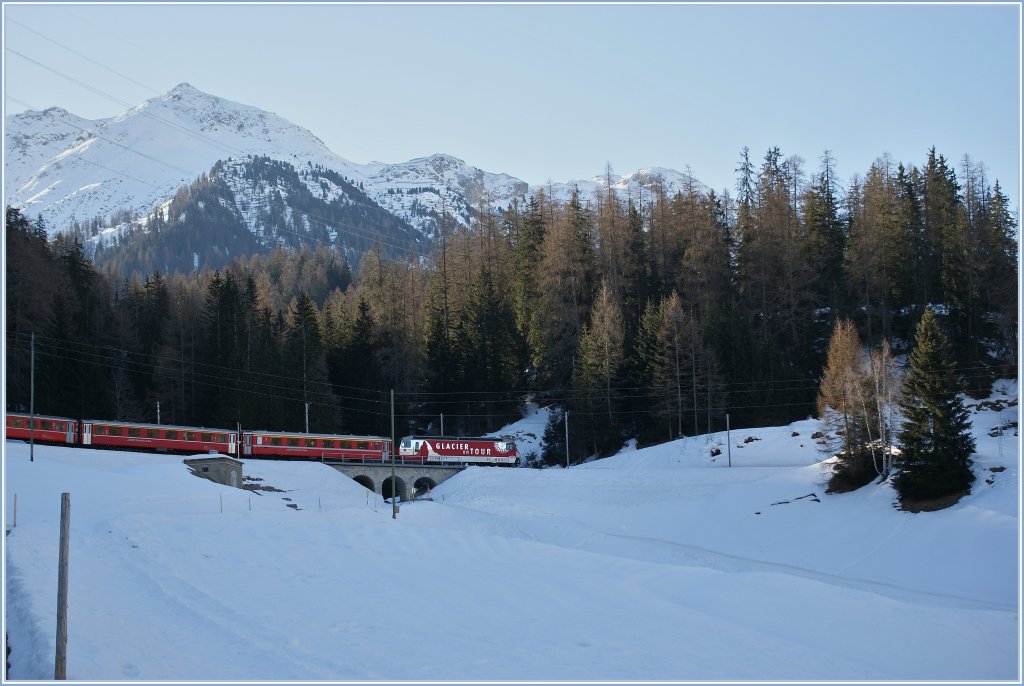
<point x="60" y="430"/>
<point x="315" y="446"/>
<point x="98" y="433"/>
<point x="458" y="450"/>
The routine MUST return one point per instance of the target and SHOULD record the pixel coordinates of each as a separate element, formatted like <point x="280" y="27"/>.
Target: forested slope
<point x="649" y="316"/>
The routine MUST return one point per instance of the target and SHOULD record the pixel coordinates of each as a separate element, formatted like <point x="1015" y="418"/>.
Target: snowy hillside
<point x="661" y="563"/>
<point x="34" y="137"/>
<point x="420" y="190"/>
<point x="139" y="159"/>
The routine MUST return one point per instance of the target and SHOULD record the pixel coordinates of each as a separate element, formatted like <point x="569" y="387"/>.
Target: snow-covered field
<point x="656" y="564"/>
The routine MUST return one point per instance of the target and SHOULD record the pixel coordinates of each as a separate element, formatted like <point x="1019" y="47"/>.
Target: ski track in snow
<point x="662" y="551"/>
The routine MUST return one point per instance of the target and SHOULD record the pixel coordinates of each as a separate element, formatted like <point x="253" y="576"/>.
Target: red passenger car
<point x="161" y="437"/>
<point x="302" y="446"/>
<point x="59" y="430"/>
<point x="458" y="450"/>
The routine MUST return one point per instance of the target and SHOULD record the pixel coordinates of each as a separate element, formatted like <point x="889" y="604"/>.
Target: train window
<point x="221" y="438"/>
<point x="17" y="423"/>
<point x="361" y="445"/>
<point x="114" y="430"/>
<point x="205" y="437"/>
<point x="152" y="433"/>
<point x="133" y="432"/>
<point x="189" y="436"/>
<point x="99" y="430"/>
<point x="328" y="443"/>
<point x="293" y="441"/>
<point x="275" y="440"/>
<point x="310" y="442"/>
<point x="172" y="435"/>
<point x="45" y="425"/>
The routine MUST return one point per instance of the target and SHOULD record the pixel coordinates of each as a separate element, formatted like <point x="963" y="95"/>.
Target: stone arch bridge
<point x="409" y="481"/>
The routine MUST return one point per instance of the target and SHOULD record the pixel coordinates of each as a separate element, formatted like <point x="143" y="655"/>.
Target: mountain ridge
<point x="98" y="175"/>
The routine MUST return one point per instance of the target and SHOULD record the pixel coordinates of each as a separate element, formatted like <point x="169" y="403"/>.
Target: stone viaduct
<point x="410" y="480"/>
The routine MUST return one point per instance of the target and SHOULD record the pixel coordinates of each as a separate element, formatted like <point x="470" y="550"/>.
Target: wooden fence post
<point x="60" y="666"/>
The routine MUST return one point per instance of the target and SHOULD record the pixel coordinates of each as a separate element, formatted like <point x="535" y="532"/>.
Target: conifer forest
<point x="652" y="316"/>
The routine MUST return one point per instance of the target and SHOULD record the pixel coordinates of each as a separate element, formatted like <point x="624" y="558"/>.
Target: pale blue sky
<point x="555" y="92"/>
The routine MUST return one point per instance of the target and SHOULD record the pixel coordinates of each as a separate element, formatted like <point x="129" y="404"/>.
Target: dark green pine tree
<point x="306" y="365"/>
<point x="826" y="239"/>
<point x="643" y="369"/>
<point x="554" y="438"/>
<point x="490" y="352"/>
<point x="526" y="292"/>
<point x="361" y="379"/>
<point x="936" y="443"/>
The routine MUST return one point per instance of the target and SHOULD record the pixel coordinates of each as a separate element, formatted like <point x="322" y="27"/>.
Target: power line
<point x="84" y="57"/>
<point x="189" y="132"/>
<point x="571" y="395"/>
<point x="125" y="147"/>
<point x="340" y="227"/>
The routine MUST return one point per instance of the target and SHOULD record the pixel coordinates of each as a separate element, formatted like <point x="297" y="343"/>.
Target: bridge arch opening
<point x="365" y="482"/>
<point x="423" y="485"/>
<point x="391" y="487"/>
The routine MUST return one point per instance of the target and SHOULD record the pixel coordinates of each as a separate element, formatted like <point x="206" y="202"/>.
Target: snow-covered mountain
<point x="641" y="185"/>
<point x="66" y="168"/>
<point x="427" y="187"/>
<point x="251" y="205"/>
<point x="140" y="159"/>
<point x="103" y="173"/>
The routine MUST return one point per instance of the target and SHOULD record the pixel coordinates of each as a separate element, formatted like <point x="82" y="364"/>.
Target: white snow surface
<point x="656" y="564"/>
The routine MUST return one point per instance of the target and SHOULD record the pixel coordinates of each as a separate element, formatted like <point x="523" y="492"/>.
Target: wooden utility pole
<point x="32" y="403"/>
<point x="567" y="439"/>
<point x="394" y="482"/>
<point x="60" y="662"/>
<point x="728" y="439"/>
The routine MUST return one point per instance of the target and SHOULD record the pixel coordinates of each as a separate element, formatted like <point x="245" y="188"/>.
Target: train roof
<point x="143" y="425"/>
<point x="458" y="438"/>
<point x="299" y="434"/>
<point x="40" y="416"/>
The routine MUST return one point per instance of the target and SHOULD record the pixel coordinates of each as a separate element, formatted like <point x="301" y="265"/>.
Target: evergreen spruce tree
<point x="936" y="443"/>
<point x="554" y="438"/>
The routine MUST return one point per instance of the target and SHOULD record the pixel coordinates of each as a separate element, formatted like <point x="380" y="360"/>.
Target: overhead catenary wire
<point x="81" y="55"/>
<point x="94" y="134"/>
<point x="189" y="132"/>
<point x="326" y="397"/>
<point x="777" y="385"/>
<point x="259" y="390"/>
<point x="127" y="357"/>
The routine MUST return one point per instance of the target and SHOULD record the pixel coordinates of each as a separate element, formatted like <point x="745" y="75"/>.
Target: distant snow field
<point x="656" y="564"/>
